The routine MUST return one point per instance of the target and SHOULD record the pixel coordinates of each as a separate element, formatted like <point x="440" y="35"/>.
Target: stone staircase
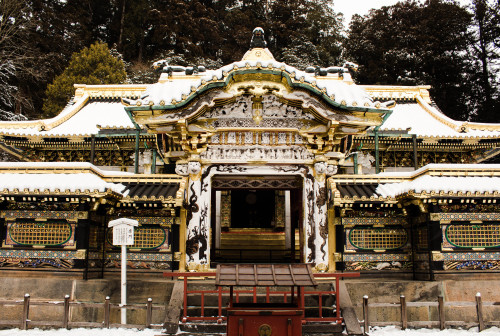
<point x="252" y="245"/>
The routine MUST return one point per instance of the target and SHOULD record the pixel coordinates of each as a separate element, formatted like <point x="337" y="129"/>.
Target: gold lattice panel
<point x="40" y="233"/>
<point x="147" y="238"/>
<point x="471" y="235"/>
<point x="422" y="238"/>
<point x="376" y="238"/>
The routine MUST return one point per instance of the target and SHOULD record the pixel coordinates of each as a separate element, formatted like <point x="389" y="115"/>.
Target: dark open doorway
<point x="253" y="208"/>
<point x="256" y="219"/>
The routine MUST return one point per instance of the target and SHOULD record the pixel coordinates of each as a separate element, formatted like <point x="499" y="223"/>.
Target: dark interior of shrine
<point x="252" y="208"/>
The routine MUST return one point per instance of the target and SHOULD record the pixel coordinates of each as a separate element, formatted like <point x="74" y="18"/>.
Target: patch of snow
<point x="446" y="184"/>
<point x="417" y="120"/>
<point x="375" y="331"/>
<point x="84" y="122"/>
<point x="53" y="182"/>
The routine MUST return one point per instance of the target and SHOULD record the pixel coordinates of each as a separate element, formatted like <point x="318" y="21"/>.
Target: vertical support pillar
<point x="288" y="221"/>
<point x="218" y="196"/>
<point x="377" y="154"/>
<point x="355" y="163"/>
<point x="136" y="157"/>
<point x="92" y="148"/>
<point x="332" y="240"/>
<point x="415" y="154"/>
<point x="182" y="241"/>
<point x="153" y="162"/>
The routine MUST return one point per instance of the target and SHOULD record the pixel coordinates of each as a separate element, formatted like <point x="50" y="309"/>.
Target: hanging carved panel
<point x="256" y="183"/>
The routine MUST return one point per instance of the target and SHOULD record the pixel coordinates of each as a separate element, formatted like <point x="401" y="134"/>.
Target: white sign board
<point x="123" y="231"/>
<point x="123" y="235"/>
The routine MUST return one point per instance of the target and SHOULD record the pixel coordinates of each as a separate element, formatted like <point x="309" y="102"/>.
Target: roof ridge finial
<point x="258" y="40"/>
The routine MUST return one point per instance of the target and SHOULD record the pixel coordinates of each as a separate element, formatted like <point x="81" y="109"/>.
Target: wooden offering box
<point x="266" y="318"/>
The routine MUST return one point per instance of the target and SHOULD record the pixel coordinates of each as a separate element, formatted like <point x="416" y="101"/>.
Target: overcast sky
<point x="361" y="7"/>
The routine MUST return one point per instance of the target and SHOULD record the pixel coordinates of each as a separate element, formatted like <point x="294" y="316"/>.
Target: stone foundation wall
<point x="425" y="291"/>
<point x="42" y="289"/>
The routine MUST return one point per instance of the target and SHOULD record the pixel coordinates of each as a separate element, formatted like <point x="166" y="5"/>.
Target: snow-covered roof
<point x="437" y="184"/>
<point x="60" y="183"/>
<point x="55" y="177"/>
<point x="183" y="88"/>
<point x="87" y="121"/>
<point x="424" y="120"/>
<point x="432" y="179"/>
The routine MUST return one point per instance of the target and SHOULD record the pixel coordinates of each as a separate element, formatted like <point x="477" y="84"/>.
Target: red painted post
<point x="185" y="296"/>
<point x="320" y="297"/>
<point x="267" y="294"/>
<point x="202" y="304"/>
<point x="255" y="295"/>
<point x="220" y="304"/>
<point x="337" y="296"/>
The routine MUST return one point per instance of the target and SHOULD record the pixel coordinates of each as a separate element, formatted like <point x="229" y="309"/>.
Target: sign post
<point x="123" y="234"/>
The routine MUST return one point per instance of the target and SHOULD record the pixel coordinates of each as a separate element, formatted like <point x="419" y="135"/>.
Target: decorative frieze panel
<point x="67" y="215"/>
<point x="111" y="157"/>
<point x="375" y="221"/>
<point x="40" y="258"/>
<point x="471" y="265"/>
<point x="149" y="261"/>
<point x="249" y="138"/>
<point x="465" y="216"/>
<point x="226" y="153"/>
<point x="377" y="262"/>
<point x="256" y="183"/>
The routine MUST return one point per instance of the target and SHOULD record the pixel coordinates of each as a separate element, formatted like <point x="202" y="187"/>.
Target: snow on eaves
<point x="176" y="90"/>
<point x="437" y="184"/>
<point x="420" y="182"/>
<point x="56" y="183"/>
<point x="85" y="122"/>
<point x="41" y="176"/>
<point x="430" y="123"/>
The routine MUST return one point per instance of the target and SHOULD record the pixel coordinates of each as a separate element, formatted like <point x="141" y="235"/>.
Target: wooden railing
<point x="25" y="322"/>
<point x="220" y="293"/>
<point x="442" y="323"/>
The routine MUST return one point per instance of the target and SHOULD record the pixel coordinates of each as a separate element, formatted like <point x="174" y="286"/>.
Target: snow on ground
<point x="396" y="331"/>
<point x="376" y="331"/>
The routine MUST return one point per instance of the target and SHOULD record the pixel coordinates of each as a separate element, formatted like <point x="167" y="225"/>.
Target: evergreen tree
<point x="92" y="65"/>
<point x="484" y="69"/>
<point x="412" y="43"/>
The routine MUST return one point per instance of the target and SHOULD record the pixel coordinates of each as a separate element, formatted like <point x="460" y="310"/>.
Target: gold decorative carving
<point x="265" y="330"/>
<point x="437" y="256"/>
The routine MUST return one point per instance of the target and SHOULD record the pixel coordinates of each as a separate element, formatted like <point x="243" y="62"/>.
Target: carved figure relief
<point x="256" y="152"/>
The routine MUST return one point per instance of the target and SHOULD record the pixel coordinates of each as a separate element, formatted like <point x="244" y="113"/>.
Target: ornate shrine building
<point x="254" y="162"/>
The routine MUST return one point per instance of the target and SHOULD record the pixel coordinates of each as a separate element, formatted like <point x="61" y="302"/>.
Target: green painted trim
<point x="136" y="154"/>
<point x="222" y="83"/>
<point x="153" y="164"/>
<point x="58" y="244"/>
<point x="355" y="162"/>
<point x="460" y="246"/>
<point x="377" y="153"/>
